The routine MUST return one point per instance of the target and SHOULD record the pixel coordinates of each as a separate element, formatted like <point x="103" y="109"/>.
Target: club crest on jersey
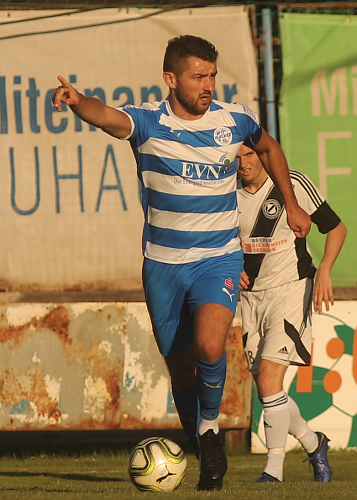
<point x="271" y="209"/>
<point x="223" y="136"/>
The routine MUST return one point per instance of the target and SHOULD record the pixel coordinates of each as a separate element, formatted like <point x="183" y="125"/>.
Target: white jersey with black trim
<point x="273" y="255"/>
<point x="188" y="175"/>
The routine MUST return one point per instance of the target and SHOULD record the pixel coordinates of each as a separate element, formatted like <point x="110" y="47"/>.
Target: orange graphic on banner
<point x="304" y="375"/>
<point x="332" y="381"/>
<point x="335" y="348"/>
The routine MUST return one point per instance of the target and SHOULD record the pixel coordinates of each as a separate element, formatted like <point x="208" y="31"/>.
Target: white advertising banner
<point x="326" y="391"/>
<point x="69" y="202"/>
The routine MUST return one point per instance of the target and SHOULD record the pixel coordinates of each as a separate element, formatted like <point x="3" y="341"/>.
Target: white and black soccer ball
<point x="157" y="464"/>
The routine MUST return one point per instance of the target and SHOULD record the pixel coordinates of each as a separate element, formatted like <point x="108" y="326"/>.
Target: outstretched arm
<point x="274" y="162"/>
<point x="92" y="110"/>
<point x="323" y="283"/>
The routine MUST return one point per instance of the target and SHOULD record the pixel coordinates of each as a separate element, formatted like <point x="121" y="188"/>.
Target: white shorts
<point x="277" y="324"/>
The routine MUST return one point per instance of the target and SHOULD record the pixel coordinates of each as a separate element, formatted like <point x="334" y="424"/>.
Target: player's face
<point x="194" y="87"/>
<point x="250" y="168"/>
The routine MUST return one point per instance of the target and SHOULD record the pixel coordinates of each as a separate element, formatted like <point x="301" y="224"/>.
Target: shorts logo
<point x="271" y="209"/>
<point x="231" y="295"/>
<point x="283" y="350"/>
<point x="229" y="283"/>
<point x="223" y="136"/>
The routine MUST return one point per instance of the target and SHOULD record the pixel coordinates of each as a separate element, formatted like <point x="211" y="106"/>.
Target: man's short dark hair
<point x="182" y="47"/>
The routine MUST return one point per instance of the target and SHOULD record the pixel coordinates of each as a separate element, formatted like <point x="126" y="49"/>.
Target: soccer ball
<point x="157" y="464"/>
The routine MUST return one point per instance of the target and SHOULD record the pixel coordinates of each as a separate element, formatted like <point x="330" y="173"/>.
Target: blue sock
<point x="187" y="408"/>
<point x="210" y="384"/>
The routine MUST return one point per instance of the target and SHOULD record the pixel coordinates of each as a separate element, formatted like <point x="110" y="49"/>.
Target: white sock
<point x="276" y="420"/>
<point x="205" y="425"/>
<point x="299" y="428"/>
<point x="308" y="439"/>
<point x="276" y="427"/>
<point x="275" y="463"/>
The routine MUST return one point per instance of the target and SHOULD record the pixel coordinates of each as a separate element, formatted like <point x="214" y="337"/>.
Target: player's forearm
<point x="334" y="242"/>
<point x="90" y="110"/>
<point x="110" y="120"/>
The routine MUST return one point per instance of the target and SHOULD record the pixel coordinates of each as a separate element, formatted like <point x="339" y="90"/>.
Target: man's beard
<point x="189" y="104"/>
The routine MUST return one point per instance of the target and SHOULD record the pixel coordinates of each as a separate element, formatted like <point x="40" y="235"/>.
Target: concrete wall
<point x="93" y="366"/>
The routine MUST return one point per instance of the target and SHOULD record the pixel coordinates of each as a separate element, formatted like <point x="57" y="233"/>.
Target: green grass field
<point x="105" y="476"/>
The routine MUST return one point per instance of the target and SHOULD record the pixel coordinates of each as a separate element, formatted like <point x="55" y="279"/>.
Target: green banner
<point x="318" y="119"/>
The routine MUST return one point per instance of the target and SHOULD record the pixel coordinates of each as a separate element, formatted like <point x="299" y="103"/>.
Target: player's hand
<point x="299" y="221"/>
<point x="322" y="291"/>
<point x="65" y="93"/>
<point x="244" y="281"/>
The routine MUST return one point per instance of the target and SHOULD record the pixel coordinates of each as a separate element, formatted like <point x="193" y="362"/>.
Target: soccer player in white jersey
<point x="185" y="147"/>
<point x="277" y="293"/>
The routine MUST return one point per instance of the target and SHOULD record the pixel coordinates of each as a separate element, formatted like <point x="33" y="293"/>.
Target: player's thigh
<point x="288" y="324"/>
<point x="165" y="295"/>
<point x="216" y="281"/>
<point x="212" y="322"/>
<point x="253" y="333"/>
<point x="212" y="298"/>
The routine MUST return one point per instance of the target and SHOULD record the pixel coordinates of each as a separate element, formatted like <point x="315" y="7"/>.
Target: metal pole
<point x="269" y="73"/>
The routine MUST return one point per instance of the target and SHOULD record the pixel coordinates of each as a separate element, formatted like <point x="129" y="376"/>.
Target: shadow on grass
<point x="70" y="476"/>
<point x="22" y="444"/>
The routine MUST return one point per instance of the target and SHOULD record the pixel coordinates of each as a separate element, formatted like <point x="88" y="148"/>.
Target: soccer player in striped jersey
<point x="277" y="293"/>
<point x="185" y="148"/>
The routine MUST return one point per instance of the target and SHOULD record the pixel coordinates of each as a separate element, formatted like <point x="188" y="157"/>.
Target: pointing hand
<point x="64" y="93"/>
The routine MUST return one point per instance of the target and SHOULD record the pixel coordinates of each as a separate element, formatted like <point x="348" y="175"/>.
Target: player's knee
<point x="268" y="385"/>
<point x="210" y="353"/>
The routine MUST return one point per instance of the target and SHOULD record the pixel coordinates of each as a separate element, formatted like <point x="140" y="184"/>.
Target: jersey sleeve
<point x="253" y="140"/>
<point x="312" y="201"/>
<point x="325" y="218"/>
<point x="247" y="123"/>
<point x="143" y="124"/>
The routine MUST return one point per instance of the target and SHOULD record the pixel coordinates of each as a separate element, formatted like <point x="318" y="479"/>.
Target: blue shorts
<point x="174" y="291"/>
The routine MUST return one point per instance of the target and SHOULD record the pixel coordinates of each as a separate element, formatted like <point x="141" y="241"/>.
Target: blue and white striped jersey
<point x="188" y="175"/>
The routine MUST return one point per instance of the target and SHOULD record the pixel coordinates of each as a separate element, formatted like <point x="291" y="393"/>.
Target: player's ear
<point x="170" y="79"/>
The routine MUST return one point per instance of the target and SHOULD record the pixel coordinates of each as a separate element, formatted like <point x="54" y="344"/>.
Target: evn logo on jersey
<point x="199" y="171"/>
<point x="271" y="209"/>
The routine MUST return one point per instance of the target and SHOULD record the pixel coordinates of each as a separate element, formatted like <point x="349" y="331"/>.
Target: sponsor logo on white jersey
<point x="200" y="171"/>
<point x="265" y="244"/>
<point x="227" y="160"/>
